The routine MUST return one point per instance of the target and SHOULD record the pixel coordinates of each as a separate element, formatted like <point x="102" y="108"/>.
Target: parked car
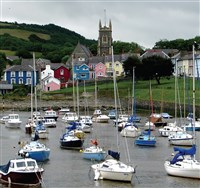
<point x="166" y="115"/>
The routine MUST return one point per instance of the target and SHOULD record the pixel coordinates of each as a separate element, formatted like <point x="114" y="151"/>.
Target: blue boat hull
<point x="145" y="140"/>
<point x="94" y="156"/>
<point x="39" y="156"/>
<point x="191" y="128"/>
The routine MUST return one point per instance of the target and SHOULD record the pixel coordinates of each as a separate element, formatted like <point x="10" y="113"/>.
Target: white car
<point x="166" y="115"/>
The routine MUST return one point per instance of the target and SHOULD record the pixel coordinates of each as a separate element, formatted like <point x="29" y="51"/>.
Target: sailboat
<point x="130" y="129"/>
<point x="113" y="169"/>
<point x="146" y="139"/>
<point x="179" y="137"/>
<point x="97" y="115"/>
<point x="94" y="152"/>
<point x="184" y="164"/>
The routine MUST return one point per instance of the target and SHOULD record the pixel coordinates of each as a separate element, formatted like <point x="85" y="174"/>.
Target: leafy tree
<point x="125" y="47"/>
<point x="132" y="61"/>
<point x="23" y="53"/>
<point x="3" y="62"/>
<point x="156" y="67"/>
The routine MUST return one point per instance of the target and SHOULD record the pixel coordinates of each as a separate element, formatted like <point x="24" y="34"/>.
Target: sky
<point x="144" y="22"/>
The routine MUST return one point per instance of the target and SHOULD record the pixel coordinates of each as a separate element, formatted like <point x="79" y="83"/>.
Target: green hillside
<point x="23" y="34"/>
<point x="48" y="40"/>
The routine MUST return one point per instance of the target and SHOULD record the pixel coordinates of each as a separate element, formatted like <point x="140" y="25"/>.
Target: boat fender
<point x="97" y="174"/>
<point x="9" y="180"/>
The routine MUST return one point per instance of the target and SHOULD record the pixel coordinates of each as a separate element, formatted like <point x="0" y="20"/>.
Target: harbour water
<point x="67" y="168"/>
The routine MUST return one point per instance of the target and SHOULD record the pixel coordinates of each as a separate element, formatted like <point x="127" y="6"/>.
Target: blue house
<point x="81" y="72"/>
<point x="21" y="74"/>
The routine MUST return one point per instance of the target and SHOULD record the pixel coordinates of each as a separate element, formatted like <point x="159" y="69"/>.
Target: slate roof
<point x="20" y="68"/>
<point x="153" y="52"/>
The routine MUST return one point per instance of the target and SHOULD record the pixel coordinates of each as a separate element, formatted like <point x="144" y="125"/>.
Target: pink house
<point x="51" y="84"/>
<point x="100" y="70"/>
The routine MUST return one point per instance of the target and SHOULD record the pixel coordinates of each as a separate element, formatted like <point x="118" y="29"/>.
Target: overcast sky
<point x="143" y="21"/>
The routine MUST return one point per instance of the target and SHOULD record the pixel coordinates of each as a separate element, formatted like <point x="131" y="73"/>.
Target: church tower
<point x="104" y="40"/>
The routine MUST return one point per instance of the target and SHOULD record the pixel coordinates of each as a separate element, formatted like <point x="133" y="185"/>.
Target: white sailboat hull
<point x="185" y="168"/>
<point x="182" y="142"/>
<point x="113" y="170"/>
<point x="130" y="131"/>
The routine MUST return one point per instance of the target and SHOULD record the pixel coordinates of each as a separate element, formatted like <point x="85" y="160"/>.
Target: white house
<point x="185" y="65"/>
<point x="47" y="72"/>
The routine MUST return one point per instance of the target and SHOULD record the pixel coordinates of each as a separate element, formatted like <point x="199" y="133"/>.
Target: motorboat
<point x="21" y="171"/>
<point x="51" y="114"/>
<point x="41" y="131"/>
<point x="99" y="117"/>
<point x="62" y="111"/>
<point x="35" y="150"/>
<point x="13" y="121"/>
<point x="70" y="117"/>
<point x="170" y="128"/>
<point x="191" y="127"/>
<point x="94" y="152"/>
<point x="181" y="139"/>
<point x="130" y="130"/>
<point x="87" y="120"/>
<point x="113" y="169"/>
<point x="183" y="163"/>
<point x="4" y="119"/>
<point x="49" y="122"/>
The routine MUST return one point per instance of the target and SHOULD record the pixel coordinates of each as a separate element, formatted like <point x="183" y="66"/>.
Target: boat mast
<point x="35" y="82"/>
<point x="133" y="94"/>
<point x="193" y="93"/>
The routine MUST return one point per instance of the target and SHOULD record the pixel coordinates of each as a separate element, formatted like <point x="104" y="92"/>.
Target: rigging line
<point x="115" y="98"/>
<point x="179" y="102"/>
<point x="120" y="107"/>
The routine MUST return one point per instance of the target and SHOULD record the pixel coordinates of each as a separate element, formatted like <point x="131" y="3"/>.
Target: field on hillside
<point x="23" y="34"/>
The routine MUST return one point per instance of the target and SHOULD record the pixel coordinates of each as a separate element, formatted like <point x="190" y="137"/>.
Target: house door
<point x="48" y="88"/>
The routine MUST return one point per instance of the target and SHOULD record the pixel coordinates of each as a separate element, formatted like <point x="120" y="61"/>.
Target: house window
<point x="28" y="81"/>
<point x="100" y="67"/>
<point x="20" y="74"/>
<point x="117" y="72"/>
<point x="20" y="81"/>
<point x="61" y="72"/>
<point x="12" y="74"/>
<point x="110" y="65"/>
<point x="81" y="59"/>
<point x="28" y="74"/>
<point x="83" y="76"/>
<point x="117" y="65"/>
<point x="13" y="81"/>
<point x="85" y="68"/>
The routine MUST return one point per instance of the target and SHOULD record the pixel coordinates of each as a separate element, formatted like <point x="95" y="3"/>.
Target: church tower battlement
<point x="105" y="39"/>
